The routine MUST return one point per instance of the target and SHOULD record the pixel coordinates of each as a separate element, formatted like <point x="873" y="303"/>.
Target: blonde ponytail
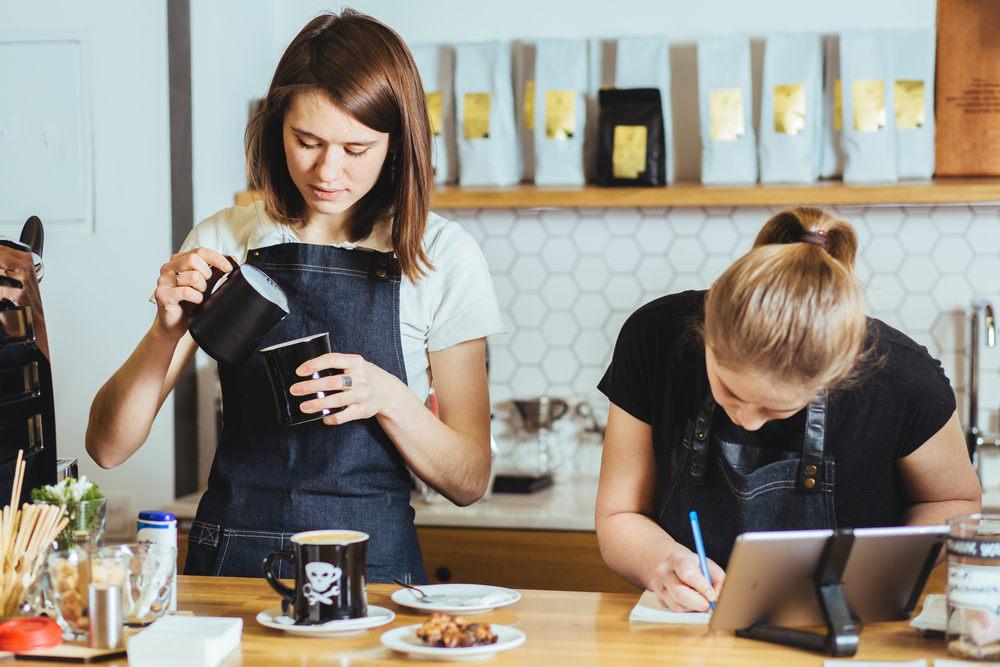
<point x="792" y="306"/>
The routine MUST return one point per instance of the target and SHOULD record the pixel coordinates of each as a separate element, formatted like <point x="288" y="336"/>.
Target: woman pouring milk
<point x="770" y="402"/>
<point x="341" y="150"/>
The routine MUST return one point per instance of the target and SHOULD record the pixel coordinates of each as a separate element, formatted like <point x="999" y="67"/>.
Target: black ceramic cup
<point x="329" y="568"/>
<point x="281" y="360"/>
<point x="232" y="320"/>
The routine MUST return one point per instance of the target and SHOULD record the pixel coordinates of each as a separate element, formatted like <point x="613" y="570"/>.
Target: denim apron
<point x="737" y="489"/>
<point x="268" y="481"/>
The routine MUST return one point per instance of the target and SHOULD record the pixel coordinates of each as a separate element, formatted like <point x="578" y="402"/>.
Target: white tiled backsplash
<point x="568" y="278"/>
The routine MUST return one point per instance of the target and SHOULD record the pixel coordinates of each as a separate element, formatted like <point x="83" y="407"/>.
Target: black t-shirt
<point x="658" y="376"/>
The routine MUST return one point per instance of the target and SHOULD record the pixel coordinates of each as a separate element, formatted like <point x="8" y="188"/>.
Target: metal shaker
<point x="105" y="617"/>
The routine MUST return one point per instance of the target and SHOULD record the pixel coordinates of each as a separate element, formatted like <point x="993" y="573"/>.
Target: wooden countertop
<point x="563" y="628"/>
<point x="823" y="193"/>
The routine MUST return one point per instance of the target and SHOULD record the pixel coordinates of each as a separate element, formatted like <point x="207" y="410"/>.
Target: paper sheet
<point x="933" y="615"/>
<point x="649" y="610"/>
<point x="877" y="663"/>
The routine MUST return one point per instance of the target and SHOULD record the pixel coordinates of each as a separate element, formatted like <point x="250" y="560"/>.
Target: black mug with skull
<point x="329" y="568"/>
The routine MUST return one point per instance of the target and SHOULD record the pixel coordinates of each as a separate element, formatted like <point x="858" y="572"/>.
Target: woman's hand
<point x="17" y="266"/>
<point x="679" y="584"/>
<point x="184" y="280"/>
<point x="362" y="389"/>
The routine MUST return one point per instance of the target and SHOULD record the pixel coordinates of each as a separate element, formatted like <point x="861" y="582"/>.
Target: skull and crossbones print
<point x="324" y="583"/>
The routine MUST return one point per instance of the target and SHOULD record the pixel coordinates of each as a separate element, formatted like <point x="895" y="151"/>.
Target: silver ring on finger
<point x="346" y="381"/>
<point x="177" y="277"/>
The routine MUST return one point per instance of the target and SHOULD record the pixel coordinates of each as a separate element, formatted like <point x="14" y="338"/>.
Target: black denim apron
<point x="737" y="489"/>
<point x="268" y="481"/>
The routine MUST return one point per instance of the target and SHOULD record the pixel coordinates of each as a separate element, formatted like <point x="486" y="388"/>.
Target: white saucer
<point x="275" y="619"/>
<point x="460" y="599"/>
<point x="405" y="639"/>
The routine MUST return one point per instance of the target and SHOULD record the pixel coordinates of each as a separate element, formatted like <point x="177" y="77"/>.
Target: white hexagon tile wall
<point x="568" y="278"/>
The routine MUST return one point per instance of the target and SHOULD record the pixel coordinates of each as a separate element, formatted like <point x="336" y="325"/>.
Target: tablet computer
<point x="770" y="578"/>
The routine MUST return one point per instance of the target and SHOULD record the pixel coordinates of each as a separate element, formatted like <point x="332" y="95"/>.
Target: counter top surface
<point x="566" y="505"/>
<point x="562" y="628"/>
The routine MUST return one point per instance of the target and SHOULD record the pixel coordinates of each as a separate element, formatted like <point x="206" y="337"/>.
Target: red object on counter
<point x="30" y="634"/>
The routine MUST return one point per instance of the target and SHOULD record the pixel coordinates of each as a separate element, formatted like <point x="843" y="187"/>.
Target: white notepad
<point x="649" y="610"/>
<point x="933" y="615"/>
<point x="192" y="641"/>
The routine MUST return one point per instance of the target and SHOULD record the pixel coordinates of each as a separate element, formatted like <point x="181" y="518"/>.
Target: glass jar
<point x="973" y="629"/>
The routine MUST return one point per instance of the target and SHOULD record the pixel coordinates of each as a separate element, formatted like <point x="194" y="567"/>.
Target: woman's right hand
<point x="679" y="584"/>
<point x="184" y="280"/>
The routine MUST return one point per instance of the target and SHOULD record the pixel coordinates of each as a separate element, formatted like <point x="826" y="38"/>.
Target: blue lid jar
<point x="154" y="515"/>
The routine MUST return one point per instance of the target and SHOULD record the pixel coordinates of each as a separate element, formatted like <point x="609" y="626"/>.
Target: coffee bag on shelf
<point x="725" y="103"/>
<point x="524" y="106"/>
<point x="561" y="82"/>
<point x="436" y="64"/>
<point x="791" y="108"/>
<point x="968" y="80"/>
<point x="868" y="112"/>
<point x="913" y="94"/>
<point x="832" y="152"/>
<point x="644" y="62"/>
<point x="484" y="110"/>
<point x="631" y="149"/>
<point x="601" y="55"/>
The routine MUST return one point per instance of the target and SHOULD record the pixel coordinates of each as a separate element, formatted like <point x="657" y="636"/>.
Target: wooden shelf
<point x="824" y="193"/>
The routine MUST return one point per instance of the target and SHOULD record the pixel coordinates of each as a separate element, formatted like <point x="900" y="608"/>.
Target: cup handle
<point x="558" y="408"/>
<point x="267" y="567"/>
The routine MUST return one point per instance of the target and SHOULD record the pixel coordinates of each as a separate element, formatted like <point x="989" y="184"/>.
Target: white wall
<point x="96" y="286"/>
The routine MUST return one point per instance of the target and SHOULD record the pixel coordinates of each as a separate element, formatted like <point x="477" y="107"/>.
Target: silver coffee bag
<point x="725" y="102"/>
<point x="561" y="82"/>
<point x="436" y="64"/>
<point x="913" y="94"/>
<point x="484" y="110"/>
<point x="868" y="112"/>
<point x="644" y="62"/>
<point x="791" y="108"/>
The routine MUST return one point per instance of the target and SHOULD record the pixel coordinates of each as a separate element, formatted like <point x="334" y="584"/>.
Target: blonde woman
<point x="770" y="402"/>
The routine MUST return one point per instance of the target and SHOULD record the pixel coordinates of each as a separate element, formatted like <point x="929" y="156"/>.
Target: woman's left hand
<point x="362" y="388"/>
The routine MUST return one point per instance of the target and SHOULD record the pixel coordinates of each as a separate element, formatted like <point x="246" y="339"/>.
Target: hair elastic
<point x="816" y="238"/>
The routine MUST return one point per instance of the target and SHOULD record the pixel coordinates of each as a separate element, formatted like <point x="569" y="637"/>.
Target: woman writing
<point x="770" y="403"/>
<point x="340" y="149"/>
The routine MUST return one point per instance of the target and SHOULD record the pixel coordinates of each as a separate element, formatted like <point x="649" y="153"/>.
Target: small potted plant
<point x="82" y="502"/>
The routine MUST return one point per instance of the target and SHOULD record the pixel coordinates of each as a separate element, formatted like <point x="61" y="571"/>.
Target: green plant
<point x="74" y="496"/>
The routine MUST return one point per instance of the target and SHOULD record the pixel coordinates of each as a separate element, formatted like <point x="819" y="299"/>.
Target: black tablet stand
<point x="841" y="638"/>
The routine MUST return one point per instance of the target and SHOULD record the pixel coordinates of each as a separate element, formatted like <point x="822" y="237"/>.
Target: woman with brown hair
<point x="340" y="149"/>
<point x="808" y="386"/>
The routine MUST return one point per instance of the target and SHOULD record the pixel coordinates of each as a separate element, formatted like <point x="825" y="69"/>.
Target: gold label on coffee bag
<point x="868" y="98"/>
<point x="725" y="108"/>
<point x="433" y="100"/>
<point x="628" y="158"/>
<point x="560" y="114"/>
<point x="529" y="106"/>
<point x="838" y="108"/>
<point x="477" y="116"/>
<point x="909" y="104"/>
<point x="790" y="108"/>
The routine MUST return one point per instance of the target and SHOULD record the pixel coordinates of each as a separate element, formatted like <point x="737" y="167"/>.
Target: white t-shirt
<point x="451" y="304"/>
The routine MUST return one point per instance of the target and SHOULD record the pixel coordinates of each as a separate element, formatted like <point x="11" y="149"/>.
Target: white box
<point x="192" y="641"/>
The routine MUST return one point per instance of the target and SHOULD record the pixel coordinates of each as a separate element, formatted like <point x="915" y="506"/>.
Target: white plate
<point x="461" y="599"/>
<point x="275" y="619"/>
<point x="405" y="639"/>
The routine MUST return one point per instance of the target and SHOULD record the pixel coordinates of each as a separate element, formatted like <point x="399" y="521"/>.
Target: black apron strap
<point x="699" y="438"/>
<point x="811" y="464"/>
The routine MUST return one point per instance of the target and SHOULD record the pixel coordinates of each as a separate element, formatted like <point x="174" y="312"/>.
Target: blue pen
<point x="700" y="547"/>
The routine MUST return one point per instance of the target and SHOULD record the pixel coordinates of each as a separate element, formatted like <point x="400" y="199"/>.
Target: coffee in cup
<point x="329" y="567"/>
